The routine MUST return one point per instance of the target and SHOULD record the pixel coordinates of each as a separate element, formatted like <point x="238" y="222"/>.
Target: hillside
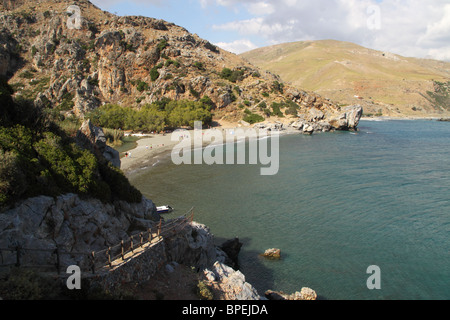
<point x="132" y="62"/>
<point x="382" y="82"/>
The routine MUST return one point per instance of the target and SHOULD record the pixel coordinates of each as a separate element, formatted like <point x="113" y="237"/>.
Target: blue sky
<point x="407" y="27"/>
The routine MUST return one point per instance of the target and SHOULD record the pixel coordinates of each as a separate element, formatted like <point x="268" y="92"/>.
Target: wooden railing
<point x="99" y="259"/>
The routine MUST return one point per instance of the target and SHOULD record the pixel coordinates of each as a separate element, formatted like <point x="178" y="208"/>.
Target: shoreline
<point x="154" y="148"/>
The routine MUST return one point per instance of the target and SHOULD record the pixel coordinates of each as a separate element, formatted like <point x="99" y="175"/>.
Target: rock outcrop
<point x="304" y="294"/>
<point x="93" y="138"/>
<point x="273" y="254"/>
<point x="232" y="248"/>
<point x="133" y="61"/>
<point x="316" y="121"/>
<point x="73" y="225"/>
<point x="230" y="283"/>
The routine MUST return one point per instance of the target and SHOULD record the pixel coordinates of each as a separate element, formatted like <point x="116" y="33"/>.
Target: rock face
<point x="346" y="119"/>
<point x="92" y="138"/>
<point x="231" y="283"/>
<point x="349" y="119"/>
<point x="72" y="224"/>
<point x="133" y="61"/>
<point x="193" y="247"/>
<point x="232" y="249"/>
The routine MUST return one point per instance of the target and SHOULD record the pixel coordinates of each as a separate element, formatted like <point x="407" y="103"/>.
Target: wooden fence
<point x="98" y="259"/>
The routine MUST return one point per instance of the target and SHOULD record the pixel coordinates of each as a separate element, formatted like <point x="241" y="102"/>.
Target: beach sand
<point x="148" y="152"/>
<point x="153" y="149"/>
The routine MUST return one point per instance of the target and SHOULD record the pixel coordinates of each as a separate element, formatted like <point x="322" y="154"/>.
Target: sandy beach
<point x="152" y="149"/>
<point x="148" y="152"/>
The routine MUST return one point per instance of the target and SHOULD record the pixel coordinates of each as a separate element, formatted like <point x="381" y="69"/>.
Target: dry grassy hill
<point x="384" y="83"/>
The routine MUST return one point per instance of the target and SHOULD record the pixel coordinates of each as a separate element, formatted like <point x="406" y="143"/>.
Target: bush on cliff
<point x="38" y="158"/>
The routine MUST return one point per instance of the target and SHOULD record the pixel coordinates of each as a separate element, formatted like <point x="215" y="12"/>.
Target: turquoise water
<point x="340" y="203"/>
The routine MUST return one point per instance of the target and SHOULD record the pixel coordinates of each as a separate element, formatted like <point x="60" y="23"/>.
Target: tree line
<point x="157" y="116"/>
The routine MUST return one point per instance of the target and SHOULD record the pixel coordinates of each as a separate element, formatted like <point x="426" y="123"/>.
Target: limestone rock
<point x="272" y="254"/>
<point x="304" y="294"/>
<point x="232" y="248"/>
<point x="93" y="138"/>
<point x="348" y="119"/>
<point x="232" y="283"/>
<point x="72" y="224"/>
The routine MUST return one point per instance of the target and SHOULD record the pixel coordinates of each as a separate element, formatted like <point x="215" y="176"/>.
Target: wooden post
<point x="109" y="256"/>
<point x="93" y="262"/>
<point x="150" y="235"/>
<point x="141" y="238"/>
<point x="122" y="253"/>
<point x="131" y="245"/>
<point x="159" y="229"/>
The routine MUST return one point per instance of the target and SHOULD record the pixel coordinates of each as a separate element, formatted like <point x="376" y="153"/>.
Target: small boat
<point x="164" y="209"/>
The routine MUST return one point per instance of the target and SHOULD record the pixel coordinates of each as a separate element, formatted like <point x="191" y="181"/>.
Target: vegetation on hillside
<point x="155" y="117"/>
<point x="441" y="96"/>
<point x="37" y="157"/>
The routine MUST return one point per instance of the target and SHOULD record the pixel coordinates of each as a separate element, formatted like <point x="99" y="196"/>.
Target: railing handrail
<point x="144" y="238"/>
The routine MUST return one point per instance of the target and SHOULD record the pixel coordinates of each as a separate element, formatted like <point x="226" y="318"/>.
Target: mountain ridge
<point x="349" y="73"/>
<point x="133" y="61"/>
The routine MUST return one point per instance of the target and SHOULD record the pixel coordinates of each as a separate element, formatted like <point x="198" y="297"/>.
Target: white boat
<point x="164" y="209"/>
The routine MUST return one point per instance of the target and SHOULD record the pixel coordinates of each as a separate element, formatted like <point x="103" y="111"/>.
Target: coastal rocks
<point x="348" y="119"/>
<point x="317" y="121"/>
<point x="194" y="246"/>
<point x="274" y="254"/>
<point x="304" y="294"/>
<point x="232" y="249"/>
<point x="230" y="283"/>
<point x="270" y="126"/>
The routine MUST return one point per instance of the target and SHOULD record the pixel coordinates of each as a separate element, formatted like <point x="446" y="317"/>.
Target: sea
<point x="341" y="203"/>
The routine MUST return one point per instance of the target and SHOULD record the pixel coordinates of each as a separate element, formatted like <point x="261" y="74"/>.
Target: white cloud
<point x="407" y="27"/>
<point x="237" y="46"/>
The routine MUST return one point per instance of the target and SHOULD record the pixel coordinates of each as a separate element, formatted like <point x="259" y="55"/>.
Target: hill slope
<point x="133" y="61"/>
<point x="348" y="73"/>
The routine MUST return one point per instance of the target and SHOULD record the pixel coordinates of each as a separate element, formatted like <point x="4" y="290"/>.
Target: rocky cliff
<point x="79" y="226"/>
<point x="131" y="61"/>
<point x="72" y="224"/>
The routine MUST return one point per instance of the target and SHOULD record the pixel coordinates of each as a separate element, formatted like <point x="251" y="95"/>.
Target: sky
<point x="411" y="28"/>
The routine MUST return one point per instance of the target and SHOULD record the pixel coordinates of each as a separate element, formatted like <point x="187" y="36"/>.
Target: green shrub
<point x="154" y="74"/>
<point x="232" y="75"/>
<point x="162" y="45"/>
<point x="253" y="118"/>
<point x="142" y="86"/>
<point x="203" y="291"/>
<point x="276" y="110"/>
<point x="199" y="65"/>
